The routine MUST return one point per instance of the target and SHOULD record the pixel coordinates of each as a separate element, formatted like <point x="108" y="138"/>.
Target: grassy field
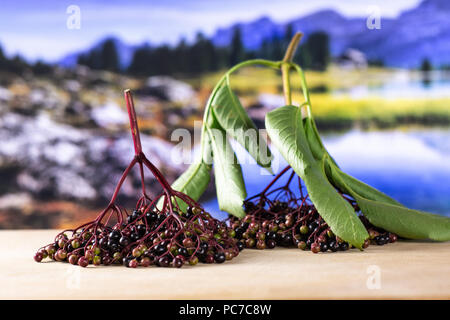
<point x="340" y="111"/>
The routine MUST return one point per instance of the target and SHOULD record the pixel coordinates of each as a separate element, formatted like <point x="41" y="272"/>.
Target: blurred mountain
<point x="416" y="34"/>
<point x="419" y="33"/>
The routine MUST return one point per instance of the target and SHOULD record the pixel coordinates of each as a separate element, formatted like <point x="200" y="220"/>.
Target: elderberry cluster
<point x="147" y="237"/>
<point x="268" y="224"/>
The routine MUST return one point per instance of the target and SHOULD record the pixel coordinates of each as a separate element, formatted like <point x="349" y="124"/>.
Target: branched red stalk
<point x="157" y="231"/>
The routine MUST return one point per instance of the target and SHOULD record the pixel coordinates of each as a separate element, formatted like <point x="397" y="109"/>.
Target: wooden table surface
<point x="401" y="270"/>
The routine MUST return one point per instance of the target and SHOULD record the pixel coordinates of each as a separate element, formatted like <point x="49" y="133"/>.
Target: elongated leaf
<point x="230" y="187"/>
<point x="207" y="155"/>
<point x="359" y="187"/>
<point x="285" y="128"/>
<point x="405" y="222"/>
<point x="193" y="181"/>
<point x="315" y="143"/>
<point x="362" y="189"/>
<point x="234" y="119"/>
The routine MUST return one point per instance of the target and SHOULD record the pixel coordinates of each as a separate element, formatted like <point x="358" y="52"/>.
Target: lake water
<point x="404" y="85"/>
<point x="411" y="166"/>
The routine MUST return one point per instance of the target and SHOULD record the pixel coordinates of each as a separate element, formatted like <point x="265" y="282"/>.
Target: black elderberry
<point x="204" y="245"/>
<point x="114" y="235"/>
<point x="201" y="252"/>
<point x="286" y="240"/>
<point x="312" y="226"/>
<point x="163" y="261"/>
<point x="160" y="249"/>
<point x="332" y="246"/>
<point x="240" y="245"/>
<point x="134" y="237"/>
<point x="323" y="247"/>
<point x="343" y="246"/>
<point x="177" y="262"/>
<point x="127" y="260"/>
<point x="113" y="247"/>
<point x="248" y="206"/>
<point x="103" y="242"/>
<point x="239" y="231"/>
<point x="136" y="214"/>
<point x="169" y="233"/>
<point x="279" y="220"/>
<point x="141" y="230"/>
<point x="271" y="235"/>
<point x="381" y="240"/>
<point x="183" y="252"/>
<point x="151" y="217"/>
<point x="161" y="218"/>
<point x="219" y="257"/>
<point x="124" y="241"/>
<point x="270" y="243"/>
<point x="188" y="215"/>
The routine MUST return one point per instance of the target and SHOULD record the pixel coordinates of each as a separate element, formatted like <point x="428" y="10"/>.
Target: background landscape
<point x="381" y="97"/>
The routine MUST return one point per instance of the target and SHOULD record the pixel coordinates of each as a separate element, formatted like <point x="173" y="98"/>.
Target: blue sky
<point x="37" y="29"/>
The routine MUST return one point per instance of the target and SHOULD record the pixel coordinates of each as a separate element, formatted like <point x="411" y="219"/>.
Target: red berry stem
<point x="156" y="232"/>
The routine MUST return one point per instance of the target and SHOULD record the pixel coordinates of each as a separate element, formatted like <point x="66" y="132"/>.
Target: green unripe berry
<point x="136" y="252"/>
<point x="97" y="251"/>
<point x="193" y="261"/>
<point x="50" y="250"/>
<point x="301" y="245"/>
<point x="261" y="236"/>
<point x="97" y="260"/>
<point x="44" y="253"/>
<point x="304" y="229"/>
<point x="75" y="244"/>
<point x="87" y="235"/>
<point x="61" y="243"/>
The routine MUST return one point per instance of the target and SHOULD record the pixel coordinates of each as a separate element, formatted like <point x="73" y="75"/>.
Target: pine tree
<point x="426" y="65"/>
<point x="2" y="59"/>
<point x="140" y="62"/>
<point x="109" y="56"/>
<point x="319" y="50"/>
<point x="237" y="51"/>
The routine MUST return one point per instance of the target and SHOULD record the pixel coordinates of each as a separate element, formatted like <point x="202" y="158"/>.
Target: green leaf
<point x="193" y="181"/>
<point x="230" y="187"/>
<point x="362" y="189"/>
<point x="319" y="152"/>
<point x="408" y="223"/>
<point x="315" y="143"/>
<point x="285" y="128"/>
<point x="234" y="119"/>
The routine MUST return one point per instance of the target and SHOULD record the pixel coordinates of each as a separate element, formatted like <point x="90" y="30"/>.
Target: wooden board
<point x="406" y="270"/>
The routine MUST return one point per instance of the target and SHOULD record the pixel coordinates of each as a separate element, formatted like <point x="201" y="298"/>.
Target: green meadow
<point x="334" y="107"/>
